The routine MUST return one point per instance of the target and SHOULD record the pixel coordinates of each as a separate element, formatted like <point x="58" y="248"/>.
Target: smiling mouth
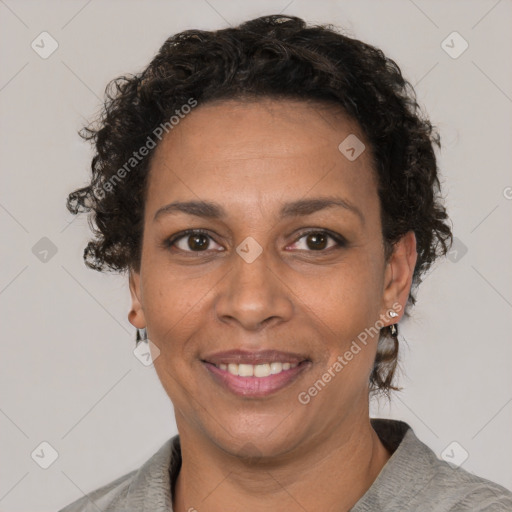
<point x="256" y="370"/>
<point x="256" y="380"/>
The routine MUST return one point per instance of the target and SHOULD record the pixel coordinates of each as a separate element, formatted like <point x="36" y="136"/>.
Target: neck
<point x="329" y="474"/>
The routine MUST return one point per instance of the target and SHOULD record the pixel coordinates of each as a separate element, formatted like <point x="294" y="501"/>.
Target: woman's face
<point x="273" y="270"/>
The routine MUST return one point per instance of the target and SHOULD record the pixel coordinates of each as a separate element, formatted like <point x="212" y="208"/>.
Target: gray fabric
<point x="413" y="479"/>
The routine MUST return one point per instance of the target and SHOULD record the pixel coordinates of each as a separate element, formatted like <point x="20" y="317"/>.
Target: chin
<point x="264" y="443"/>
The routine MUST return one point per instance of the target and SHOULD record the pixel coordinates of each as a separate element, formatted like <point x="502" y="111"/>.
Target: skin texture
<point x="270" y="453"/>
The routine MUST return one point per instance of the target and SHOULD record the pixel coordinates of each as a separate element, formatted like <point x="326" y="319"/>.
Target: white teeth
<point x="257" y="370"/>
<point x="245" y="370"/>
<point x="262" y="370"/>
<point x="276" y="368"/>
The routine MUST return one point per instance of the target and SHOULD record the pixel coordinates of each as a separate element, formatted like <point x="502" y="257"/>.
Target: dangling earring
<point x="393" y="328"/>
<point x="142" y="335"/>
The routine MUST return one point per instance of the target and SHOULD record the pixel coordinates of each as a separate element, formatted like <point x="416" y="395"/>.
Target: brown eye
<point x="190" y="241"/>
<point x="197" y="242"/>
<point x="316" y="241"/>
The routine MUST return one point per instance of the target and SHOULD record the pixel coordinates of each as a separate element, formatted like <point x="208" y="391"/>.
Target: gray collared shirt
<point x="413" y="479"/>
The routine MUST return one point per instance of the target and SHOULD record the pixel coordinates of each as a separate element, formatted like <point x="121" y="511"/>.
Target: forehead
<point x="253" y="155"/>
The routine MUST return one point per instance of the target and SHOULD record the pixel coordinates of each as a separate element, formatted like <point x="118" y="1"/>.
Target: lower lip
<point x="256" y="386"/>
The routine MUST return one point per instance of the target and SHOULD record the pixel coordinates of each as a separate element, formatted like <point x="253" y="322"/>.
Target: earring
<point x="142" y="335"/>
<point x="394" y="330"/>
<point x="393" y="314"/>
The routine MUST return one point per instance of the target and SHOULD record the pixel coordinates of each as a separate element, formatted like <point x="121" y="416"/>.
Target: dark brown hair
<point x="271" y="56"/>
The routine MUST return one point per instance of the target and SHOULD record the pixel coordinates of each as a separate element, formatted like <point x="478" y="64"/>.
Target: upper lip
<point x="254" y="357"/>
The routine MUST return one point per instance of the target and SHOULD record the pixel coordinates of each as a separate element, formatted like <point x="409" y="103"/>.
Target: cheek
<point x="172" y="311"/>
<point x="171" y="293"/>
<point x="173" y="322"/>
<point x="349" y="296"/>
<point x="348" y="304"/>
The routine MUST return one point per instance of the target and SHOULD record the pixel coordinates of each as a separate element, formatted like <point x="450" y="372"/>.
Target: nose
<point x="254" y="295"/>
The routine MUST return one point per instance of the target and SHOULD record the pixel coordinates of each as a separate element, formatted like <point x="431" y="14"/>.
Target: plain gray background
<point x="68" y="373"/>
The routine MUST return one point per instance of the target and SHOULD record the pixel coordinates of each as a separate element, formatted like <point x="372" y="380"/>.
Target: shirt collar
<point x="153" y="485"/>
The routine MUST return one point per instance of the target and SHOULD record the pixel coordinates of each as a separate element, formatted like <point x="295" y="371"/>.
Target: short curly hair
<point x="273" y="57"/>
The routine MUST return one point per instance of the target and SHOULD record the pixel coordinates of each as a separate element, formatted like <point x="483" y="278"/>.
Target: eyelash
<point x="340" y="241"/>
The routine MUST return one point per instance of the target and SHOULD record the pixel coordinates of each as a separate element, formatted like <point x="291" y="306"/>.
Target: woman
<point x="272" y="192"/>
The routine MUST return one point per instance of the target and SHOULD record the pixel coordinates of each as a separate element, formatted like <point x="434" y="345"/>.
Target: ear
<point x="398" y="275"/>
<point x="136" y="315"/>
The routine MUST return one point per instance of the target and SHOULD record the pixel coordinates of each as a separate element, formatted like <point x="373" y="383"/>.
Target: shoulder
<point x="462" y="491"/>
<point x="103" y="498"/>
<point x="148" y="486"/>
<point x="415" y="479"/>
<point x="485" y="497"/>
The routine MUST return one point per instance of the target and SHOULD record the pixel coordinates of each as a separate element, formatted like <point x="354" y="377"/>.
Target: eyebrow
<point x="299" y="208"/>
